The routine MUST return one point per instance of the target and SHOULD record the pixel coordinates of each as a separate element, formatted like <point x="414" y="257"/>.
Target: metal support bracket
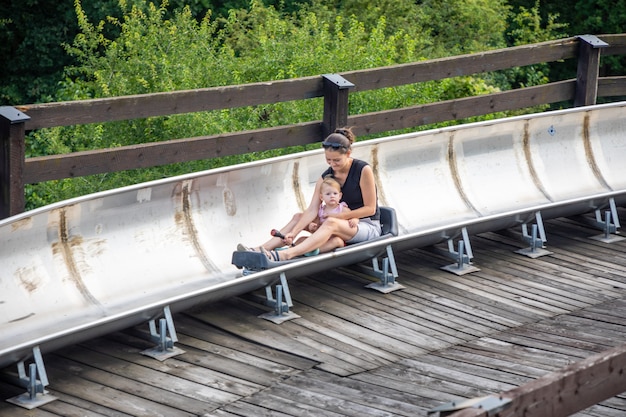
<point x="536" y="239"/>
<point x="491" y="404"/>
<point x="609" y="225"/>
<point x="36" y="393"/>
<point x="165" y="344"/>
<point x="387" y="275"/>
<point x="463" y="256"/>
<point x="281" y="312"/>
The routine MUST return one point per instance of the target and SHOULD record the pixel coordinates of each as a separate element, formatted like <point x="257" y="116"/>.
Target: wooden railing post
<point x="588" y="68"/>
<point x="12" y="161"/>
<point x="336" y="89"/>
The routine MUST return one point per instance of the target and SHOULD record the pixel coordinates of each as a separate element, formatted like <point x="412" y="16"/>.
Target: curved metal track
<point x="98" y="263"/>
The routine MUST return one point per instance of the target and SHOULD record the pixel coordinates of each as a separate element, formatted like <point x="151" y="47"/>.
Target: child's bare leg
<point x="333" y="243"/>
<point x="300" y="240"/>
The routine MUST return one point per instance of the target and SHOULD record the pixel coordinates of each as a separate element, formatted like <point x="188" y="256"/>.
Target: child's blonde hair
<point x="331" y="181"/>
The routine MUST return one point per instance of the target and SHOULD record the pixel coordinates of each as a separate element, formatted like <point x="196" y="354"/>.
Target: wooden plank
<point x="168" y="103"/>
<point x="375" y="397"/>
<point x="293" y="405"/>
<point x="476" y="370"/>
<point x="368" y="313"/>
<point x="613" y="86"/>
<point x="438" y="316"/>
<point x="126" y="399"/>
<point x="176" y="398"/>
<point x="564" y="274"/>
<point x="300" y="401"/>
<point x="572" y="329"/>
<point x="145" y="155"/>
<point x="382" y="323"/>
<point x="524" y="303"/>
<point x="520" y="353"/>
<point x="440" y="302"/>
<point x="441" y="68"/>
<point x="186" y="369"/>
<point x="494" y="361"/>
<point x="545" y="343"/>
<point x="221" y="343"/>
<point x="546" y="271"/>
<point x="426" y="114"/>
<point x="478" y="305"/>
<point x="446" y="281"/>
<point x="195" y="390"/>
<point x="456" y="374"/>
<point x="318" y="322"/>
<point x="242" y="320"/>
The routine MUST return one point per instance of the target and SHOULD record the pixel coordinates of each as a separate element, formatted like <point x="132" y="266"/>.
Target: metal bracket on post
<point x="490" y="404"/>
<point x="165" y="344"/>
<point x="387" y="279"/>
<point x="588" y="70"/>
<point x="463" y="256"/>
<point x="30" y="399"/>
<point x="281" y="310"/>
<point x="536" y="239"/>
<point x="609" y="225"/>
<point x="336" y="90"/>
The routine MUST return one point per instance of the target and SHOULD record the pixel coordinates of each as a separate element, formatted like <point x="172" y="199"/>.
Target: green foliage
<point x="466" y="26"/>
<point x="144" y="47"/>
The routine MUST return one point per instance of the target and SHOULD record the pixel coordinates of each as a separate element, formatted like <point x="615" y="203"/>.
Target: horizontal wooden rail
<point x="457" y="66"/>
<point x="565" y="392"/>
<point x="147" y="155"/>
<point x="69" y="113"/>
<point x="331" y="88"/>
<point x="177" y="102"/>
<point x="463" y="108"/>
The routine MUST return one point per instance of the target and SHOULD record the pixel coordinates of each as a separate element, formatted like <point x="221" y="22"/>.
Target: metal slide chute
<point x="99" y="263"/>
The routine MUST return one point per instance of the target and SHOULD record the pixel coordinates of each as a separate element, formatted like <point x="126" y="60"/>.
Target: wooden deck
<point x="357" y="352"/>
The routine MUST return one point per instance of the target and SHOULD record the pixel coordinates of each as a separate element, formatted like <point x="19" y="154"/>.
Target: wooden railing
<point x="16" y="170"/>
<point x="558" y="394"/>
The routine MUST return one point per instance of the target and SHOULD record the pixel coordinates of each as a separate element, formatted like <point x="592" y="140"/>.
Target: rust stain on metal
<point x="591" y="160"/>
<point x="295" y="180"/>
<point x="230" y="205"/>
<point x="28" y="279"/>
<point x="529" y="161"/>
<point x="186" y="219"/>
<point x="382" y="198"/>
<point x="65" y="247"/>
<point x="25" y="223"/>
<point x="451" y="156"/>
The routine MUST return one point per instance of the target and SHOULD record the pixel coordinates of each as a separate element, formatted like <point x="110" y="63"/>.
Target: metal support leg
<point x="536" y="239"/>
<point x="463" y="256"/>
<point x="387" y="279"/>
<point x="165" y="344"/>
<point x="609" y="226"/>
<point x="281" y="310"/>
<point x="36" y="393"/>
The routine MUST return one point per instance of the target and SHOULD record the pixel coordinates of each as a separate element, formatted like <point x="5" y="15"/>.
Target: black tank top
<point x="351" y="188"/>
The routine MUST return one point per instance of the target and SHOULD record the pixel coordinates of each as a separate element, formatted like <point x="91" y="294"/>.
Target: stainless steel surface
<point x="102" y="262"/>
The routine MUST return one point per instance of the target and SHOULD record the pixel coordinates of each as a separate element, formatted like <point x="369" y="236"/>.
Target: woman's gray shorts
<point x="367" y="229"/>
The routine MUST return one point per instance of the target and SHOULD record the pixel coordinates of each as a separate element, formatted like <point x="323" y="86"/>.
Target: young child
<point x="330" y="196"/>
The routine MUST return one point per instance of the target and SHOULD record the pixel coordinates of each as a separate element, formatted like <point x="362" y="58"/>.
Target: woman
<point x="358" y="186"/>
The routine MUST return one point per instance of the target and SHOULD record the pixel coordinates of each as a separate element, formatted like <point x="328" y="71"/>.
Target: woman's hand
<point x="353" y="222"/>
<point x="289" y="237"/>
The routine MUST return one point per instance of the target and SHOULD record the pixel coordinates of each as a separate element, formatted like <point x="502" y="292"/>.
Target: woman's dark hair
<point x="340" y="140"/>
